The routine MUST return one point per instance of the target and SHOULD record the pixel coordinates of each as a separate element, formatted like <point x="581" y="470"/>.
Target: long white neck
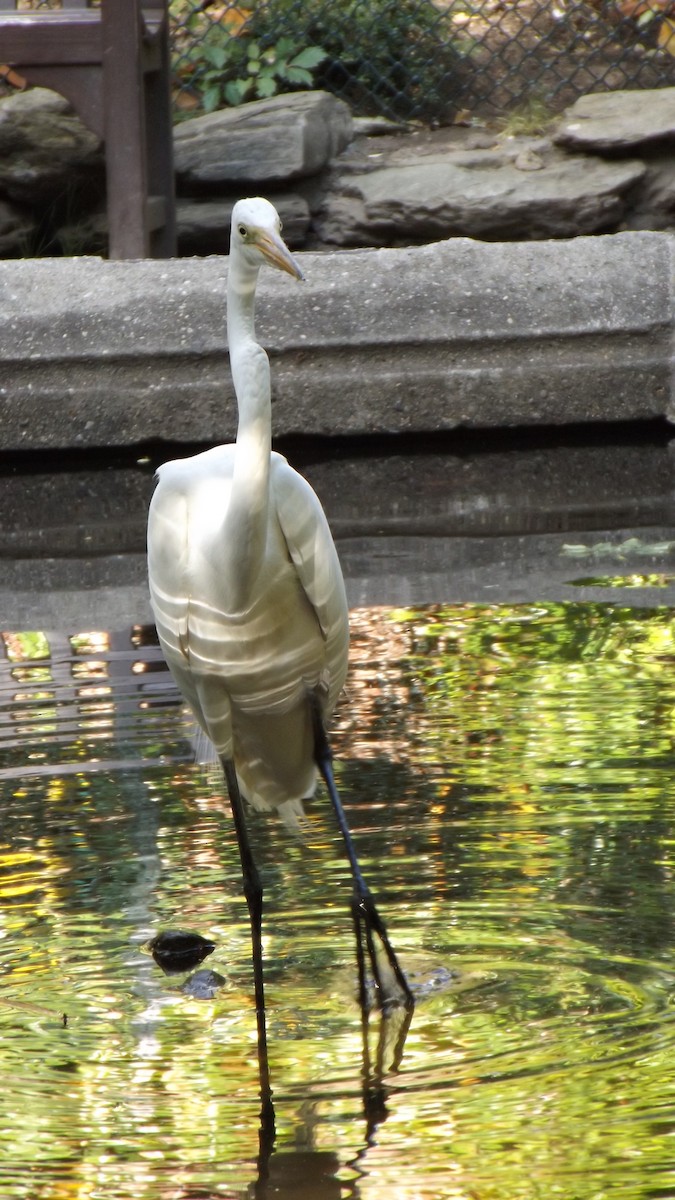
<point x="247" y="516"/>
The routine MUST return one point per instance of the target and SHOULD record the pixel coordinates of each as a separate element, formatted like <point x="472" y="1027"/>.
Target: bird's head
<point x="256" y="236"/>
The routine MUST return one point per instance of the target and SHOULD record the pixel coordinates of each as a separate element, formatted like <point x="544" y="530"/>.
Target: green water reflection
<point x="508" y="774"/>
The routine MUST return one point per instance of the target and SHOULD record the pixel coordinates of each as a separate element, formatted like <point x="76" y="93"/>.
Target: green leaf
<point x="211" y="98"/>
<point x="284" y="47"/>
<point x="298" y="75"/>
<point x="215" y="55"/>
<point x="237" y="90"/>
<point x="267" y="86"/>
<point x="309" y="58"/>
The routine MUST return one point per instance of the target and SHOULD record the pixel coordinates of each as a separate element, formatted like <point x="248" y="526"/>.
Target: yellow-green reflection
<point x="509" y="779"/>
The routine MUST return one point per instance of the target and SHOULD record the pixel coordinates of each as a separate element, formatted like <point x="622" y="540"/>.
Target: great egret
<point x="251" y="610"/>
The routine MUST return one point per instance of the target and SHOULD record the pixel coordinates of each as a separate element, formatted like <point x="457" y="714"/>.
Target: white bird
<point x="250" y="604"/>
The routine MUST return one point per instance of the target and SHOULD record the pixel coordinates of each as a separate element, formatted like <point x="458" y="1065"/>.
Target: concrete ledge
<point x="459" y="333"/>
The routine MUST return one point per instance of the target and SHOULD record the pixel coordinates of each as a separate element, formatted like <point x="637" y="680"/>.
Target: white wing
<point x="312" y="550"/>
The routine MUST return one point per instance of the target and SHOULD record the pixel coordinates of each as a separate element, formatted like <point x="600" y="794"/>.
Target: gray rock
<point x="268" y="141"/>
<point x="618" y="121"/>
<point x="377" y="127"/>
<point x="480" y="194"/>
<point x="17" y="230"/>
<point x="46" y="152"/>
<point x="653" y="204"/>
<point x="203" y="226"/>
<point x="394" y="189"/>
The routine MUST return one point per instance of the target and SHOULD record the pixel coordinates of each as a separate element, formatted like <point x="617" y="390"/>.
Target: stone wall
<point x="608" y="164"/>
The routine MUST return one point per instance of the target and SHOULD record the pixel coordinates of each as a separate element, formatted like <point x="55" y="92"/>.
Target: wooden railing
<point x="112" y="64"/>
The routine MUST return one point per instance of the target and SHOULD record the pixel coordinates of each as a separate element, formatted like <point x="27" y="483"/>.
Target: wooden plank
<point x="54" y="37"/>
<point x="80" y="83"/>
<point x="51" y="37"/>
<point x="125" y="131"/>
<point x="113" y="65"/>
<point x="66" y="5"/>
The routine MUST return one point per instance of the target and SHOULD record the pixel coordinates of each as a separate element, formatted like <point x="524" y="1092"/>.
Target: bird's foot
<point x="390" y="986"/>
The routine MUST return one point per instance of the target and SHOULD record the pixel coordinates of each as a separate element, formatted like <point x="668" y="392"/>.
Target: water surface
<point x="508" y="774"/>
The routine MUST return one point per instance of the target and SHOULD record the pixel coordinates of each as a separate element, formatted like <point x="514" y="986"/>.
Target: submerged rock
<point x="203" y="985"/>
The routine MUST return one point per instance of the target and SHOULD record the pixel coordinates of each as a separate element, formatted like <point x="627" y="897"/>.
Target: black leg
<point x="254" y="898"/>
<point x="367" y="920"/>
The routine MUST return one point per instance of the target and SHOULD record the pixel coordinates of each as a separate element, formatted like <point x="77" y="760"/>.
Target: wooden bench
<point x="112" y="64"/>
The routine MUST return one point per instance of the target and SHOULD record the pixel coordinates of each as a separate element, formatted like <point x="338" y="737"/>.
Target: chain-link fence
<point x="424" y="59"/>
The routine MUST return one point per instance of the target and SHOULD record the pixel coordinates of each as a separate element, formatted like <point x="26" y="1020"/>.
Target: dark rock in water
<point x="177" y="950"/>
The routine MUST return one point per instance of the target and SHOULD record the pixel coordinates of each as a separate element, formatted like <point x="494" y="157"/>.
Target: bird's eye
<point x="242" y="231"/>
<point x="281" y="225"/>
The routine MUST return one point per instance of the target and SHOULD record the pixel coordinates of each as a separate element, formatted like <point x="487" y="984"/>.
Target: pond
<point x="505" y="753"/>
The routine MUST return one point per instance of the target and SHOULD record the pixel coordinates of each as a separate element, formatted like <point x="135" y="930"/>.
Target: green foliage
<point x="27" y="645"/>
<point x="242" y="68"/>
<point x="394" y="56"/>
<point x="531" y="117"/>
<point x="226" y="63"/>
<point x="397" y="56"/>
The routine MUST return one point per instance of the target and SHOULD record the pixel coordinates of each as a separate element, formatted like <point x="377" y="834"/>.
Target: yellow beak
<point x="276" y="253"/>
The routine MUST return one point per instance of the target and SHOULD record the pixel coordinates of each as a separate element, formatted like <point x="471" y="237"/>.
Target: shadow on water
<point x="506" y="753"/>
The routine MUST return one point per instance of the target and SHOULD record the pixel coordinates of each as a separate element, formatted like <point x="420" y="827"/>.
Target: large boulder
<point x="334" y="189"/>
<point x="619" y="122"/>
<point x="266" y="142"/>
<point x="483" y="194"/>
<point x="203" y="226"/>
<point x="47" y="155"/>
